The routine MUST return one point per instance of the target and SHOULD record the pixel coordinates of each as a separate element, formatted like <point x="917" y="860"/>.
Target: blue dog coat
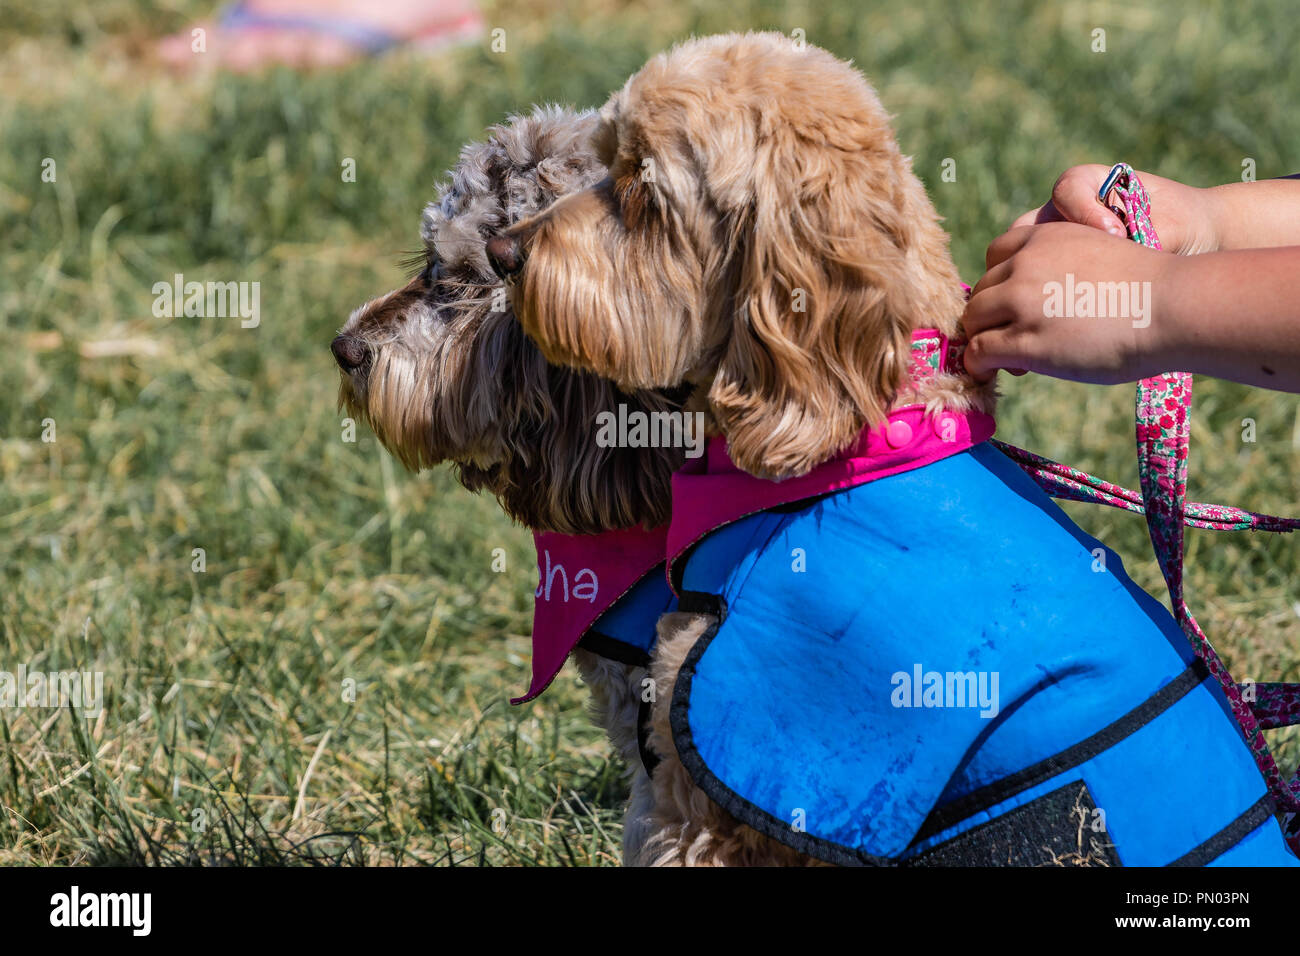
<point x="939" y="668"/>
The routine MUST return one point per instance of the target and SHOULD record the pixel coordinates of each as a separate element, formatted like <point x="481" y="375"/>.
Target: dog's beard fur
<point x="761" y="236"/>
<point x="448" y="378"/>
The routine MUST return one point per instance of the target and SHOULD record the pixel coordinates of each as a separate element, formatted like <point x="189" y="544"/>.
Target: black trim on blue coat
<point x="1229" y="836"/>
<point x="611" y="648"/>
<point x="702" y="602"/>
<point x="994" y="793"/>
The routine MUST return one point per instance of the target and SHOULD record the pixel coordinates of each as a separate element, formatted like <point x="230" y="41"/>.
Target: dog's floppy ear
<point x="839" y="256"/>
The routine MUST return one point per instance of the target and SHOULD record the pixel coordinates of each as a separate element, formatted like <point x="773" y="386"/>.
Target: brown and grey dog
<point x="441" y="371"/>
<point x="745" y="172"/>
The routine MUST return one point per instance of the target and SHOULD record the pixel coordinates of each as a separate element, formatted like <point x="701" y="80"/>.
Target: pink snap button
<point x="898" y="434"/>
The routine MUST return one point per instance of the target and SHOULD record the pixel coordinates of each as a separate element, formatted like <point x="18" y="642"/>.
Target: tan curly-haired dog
<point x="746" y="174"/>
<point x="442" y="372"/>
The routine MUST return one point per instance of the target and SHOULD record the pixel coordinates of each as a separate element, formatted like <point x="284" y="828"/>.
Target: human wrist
<point x="1211" y="210"/>
<point x="1164" y="347"/>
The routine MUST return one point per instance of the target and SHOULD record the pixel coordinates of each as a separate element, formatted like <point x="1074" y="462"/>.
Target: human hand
<point x="1184" y="216"/>
<point x="1068" y="301"/>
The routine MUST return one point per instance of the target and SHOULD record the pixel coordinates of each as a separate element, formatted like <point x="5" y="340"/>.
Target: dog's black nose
<point x="505" y="255"/>
<point x="350" y="353"/>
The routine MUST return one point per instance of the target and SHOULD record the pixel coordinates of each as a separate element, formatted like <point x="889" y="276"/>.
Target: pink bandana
<point x="711" y="491"/>
<point x="580" y="577"/>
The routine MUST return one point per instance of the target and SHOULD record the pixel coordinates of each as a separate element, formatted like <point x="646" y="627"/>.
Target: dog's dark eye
<point x="430" y="274"/>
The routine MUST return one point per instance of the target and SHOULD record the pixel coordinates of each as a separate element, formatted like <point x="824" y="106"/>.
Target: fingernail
<point x="1115" y="231"/>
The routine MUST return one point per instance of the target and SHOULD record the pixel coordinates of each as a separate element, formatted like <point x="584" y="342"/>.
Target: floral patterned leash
<point x="1163" y="431"/>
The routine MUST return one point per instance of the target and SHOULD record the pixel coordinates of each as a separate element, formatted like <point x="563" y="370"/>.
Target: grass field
<point x="227" y="734"/>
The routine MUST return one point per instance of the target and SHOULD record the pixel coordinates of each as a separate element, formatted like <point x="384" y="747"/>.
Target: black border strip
<point x="994" y="793"/>
<point x="702" y="602"/>
<point x="611" y="648"/>
<point x="1229" y="836"/>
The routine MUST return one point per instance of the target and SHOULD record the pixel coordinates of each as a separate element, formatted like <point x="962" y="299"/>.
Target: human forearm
<point x="1188" y="219"/>
<point x="1254" y="215"/>
<point x="1233" y="315"/>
